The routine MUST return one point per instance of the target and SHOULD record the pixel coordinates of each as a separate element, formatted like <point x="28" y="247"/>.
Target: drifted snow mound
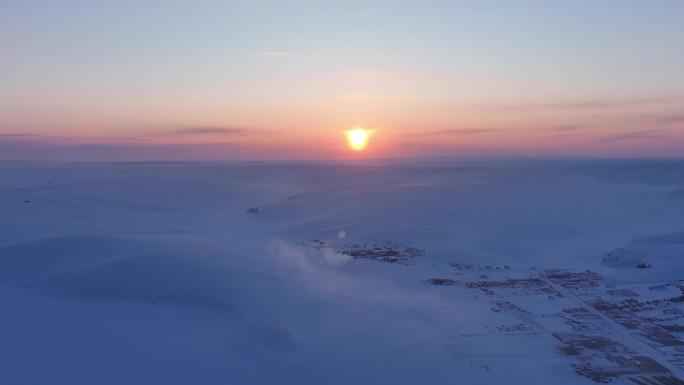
<point x="674" y="239"/>
<point x="137" y="310"/>
<point x="124" y="268"/>
<point x="157" y="277"/>
<point x="663" y="253"/>
<point x="625" y="258"/>
<point x="677" y="194"/>
<point x="35" y="258"/>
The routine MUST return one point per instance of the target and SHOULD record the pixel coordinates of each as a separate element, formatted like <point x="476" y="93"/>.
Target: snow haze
<point x="442" y="271"/>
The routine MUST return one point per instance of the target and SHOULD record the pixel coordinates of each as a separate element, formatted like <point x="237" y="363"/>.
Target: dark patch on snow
<point x="623" y="293"/>
<point x="380" y="252"/>
<point x="572" y="279"/>
<point x="656" y="322"/>
<point x="314" y="244"/>
<point x="622" y="362"/>
<point x="524" y="286"/>
<point x="674" y="328"/>
<point x="389" y="252"/>
<point x="469" y="267"/>
<point x="581" y="313"/>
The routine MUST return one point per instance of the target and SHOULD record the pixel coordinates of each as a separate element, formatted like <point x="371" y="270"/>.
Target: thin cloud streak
<point x="589" y="104"/>
<point x="671" y="119"/>
<point x="464" y="131"/>
<point x="564" y="131"/>
<point x="275" y="53"/>
<point x="18" y="136"/>
<point x="634" y="135"/>
<point x="565" y="128"/>
<point x="55" y="151"/>
<point x="211" y="131"/>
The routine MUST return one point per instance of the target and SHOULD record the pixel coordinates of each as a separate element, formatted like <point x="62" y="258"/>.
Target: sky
<point x="273" y="79"/>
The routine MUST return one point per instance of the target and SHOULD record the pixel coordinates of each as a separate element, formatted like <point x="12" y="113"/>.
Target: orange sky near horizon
<point x="279" y="80"/>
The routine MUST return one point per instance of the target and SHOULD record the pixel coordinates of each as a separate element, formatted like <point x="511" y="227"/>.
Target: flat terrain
<point x="456" y="271"/>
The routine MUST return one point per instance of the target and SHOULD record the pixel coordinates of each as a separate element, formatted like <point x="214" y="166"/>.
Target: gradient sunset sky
<point x="200" y="80"/>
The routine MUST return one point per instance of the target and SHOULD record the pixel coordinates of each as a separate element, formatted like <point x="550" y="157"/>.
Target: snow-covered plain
<point x="442" y="271"/>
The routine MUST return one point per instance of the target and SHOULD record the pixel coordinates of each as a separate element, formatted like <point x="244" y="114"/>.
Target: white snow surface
<point x="155" y="273"/>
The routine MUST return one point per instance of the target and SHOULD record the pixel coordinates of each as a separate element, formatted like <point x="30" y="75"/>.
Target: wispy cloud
<point x="211" y="131"/>
<point x="464" y="131"/>
<point x="563" y="131"/>
<point x="599" y="104"/>
<point x="564" y="128"/>
<point x="18" y="136"/>
<point x="670" y="119"/>
<point x="590" y="104"/>
<point x="46" y="149"/>
<point x="275" y="53"/>
<point x="633" y="135"/>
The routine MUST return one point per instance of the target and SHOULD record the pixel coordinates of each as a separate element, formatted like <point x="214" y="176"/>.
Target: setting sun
<point x="357" y="138"/>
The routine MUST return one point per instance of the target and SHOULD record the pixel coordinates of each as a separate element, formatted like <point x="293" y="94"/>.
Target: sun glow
<point x="357" y="138"/>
